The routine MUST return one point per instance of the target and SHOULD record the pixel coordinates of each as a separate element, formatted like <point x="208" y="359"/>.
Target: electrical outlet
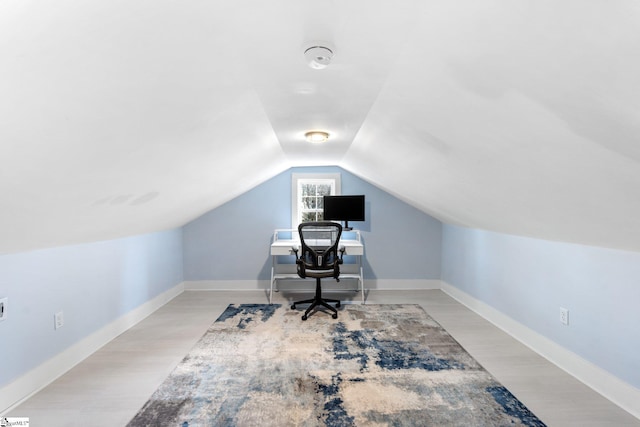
<point x="58" y="320"/>
<point x="564" y="316"/>
<point x="3" y="308"/>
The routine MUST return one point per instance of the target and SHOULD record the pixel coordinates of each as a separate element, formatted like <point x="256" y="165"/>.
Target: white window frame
<point x="297" y="179"/>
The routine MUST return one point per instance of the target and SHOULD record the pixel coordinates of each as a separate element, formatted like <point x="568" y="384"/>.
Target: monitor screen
<point x="343" y="208"/>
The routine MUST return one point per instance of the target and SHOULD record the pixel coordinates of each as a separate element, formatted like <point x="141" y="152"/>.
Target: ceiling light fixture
<point x="316" y="136"/>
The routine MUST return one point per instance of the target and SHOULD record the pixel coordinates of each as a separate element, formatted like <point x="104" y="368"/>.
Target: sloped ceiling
<point x="124" y="117"/>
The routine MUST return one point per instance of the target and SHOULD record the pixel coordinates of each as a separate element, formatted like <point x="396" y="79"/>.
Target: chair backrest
<point x="319" y="244"/>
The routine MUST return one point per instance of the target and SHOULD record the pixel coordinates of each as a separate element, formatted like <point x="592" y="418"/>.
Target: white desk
<point x="285" y="246"/>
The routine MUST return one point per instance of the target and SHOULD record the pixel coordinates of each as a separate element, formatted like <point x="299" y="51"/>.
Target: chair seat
<point x="319" y="273"/>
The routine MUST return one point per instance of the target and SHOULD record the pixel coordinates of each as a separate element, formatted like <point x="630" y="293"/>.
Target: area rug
<point x="376" y="365"/>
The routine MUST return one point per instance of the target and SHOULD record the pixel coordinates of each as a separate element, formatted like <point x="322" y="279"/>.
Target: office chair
<point x="319" y="258"/>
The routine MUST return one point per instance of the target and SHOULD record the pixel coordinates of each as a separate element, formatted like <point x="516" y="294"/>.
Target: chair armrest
<point x="302" y="272"/>
<point x="336" y="269"/>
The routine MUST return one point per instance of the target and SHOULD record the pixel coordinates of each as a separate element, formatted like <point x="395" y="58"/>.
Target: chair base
<point x="316" y="301"/>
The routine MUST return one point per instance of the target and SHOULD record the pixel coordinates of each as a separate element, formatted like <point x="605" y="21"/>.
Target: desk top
<point x="286" y="246"/>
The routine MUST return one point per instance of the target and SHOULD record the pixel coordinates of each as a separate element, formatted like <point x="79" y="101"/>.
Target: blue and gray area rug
<point x="376" y="365"/>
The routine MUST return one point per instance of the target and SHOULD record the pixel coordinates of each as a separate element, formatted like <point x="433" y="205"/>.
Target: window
<point x="307" y="191"/>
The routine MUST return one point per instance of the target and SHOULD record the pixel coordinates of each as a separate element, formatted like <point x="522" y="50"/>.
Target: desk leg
<point x="271" y="286"/>
<point x="361" y="280"/>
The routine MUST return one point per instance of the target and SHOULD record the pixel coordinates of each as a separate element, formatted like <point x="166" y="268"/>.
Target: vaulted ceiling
<point x="120" y="117"/>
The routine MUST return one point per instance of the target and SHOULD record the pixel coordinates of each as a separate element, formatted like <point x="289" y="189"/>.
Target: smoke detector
<point x="318" y="56"/>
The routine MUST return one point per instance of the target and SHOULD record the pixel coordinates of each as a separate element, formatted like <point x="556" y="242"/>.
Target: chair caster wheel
<point x="304" y="317"/>
<point x="293" y="307"/>
<point x="334" y="315"/>
<point x="338" y="304"/>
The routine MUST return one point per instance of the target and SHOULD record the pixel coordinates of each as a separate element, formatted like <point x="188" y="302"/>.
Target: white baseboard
<point x="226" y="285"/>
<point x="402" y="284"/>
<point x="35" y="380"/>
<point x="263" y="285"/>
<point x="619" y="392"/>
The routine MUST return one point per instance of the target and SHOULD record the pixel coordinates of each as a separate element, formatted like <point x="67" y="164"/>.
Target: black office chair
<point x="319" y="257"/>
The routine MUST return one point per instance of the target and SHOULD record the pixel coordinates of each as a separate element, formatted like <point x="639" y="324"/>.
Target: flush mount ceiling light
<point x="318" y="56"/>
<point x="316" y="136"/>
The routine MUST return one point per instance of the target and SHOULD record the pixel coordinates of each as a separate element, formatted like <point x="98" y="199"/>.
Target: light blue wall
<point x="526" y="279"/>
<point x="93" y="284"/>
<point x="529" y="280"/>
<point x="232" y="241"/>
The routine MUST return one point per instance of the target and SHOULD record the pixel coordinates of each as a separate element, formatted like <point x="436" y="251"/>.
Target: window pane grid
<point x="311" y="199"/>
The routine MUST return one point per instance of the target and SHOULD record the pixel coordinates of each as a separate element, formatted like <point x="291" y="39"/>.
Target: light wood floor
<point x="109" y="387"/>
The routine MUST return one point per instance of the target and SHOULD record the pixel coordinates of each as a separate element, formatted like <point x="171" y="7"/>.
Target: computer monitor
<point x="344" y="208"/>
